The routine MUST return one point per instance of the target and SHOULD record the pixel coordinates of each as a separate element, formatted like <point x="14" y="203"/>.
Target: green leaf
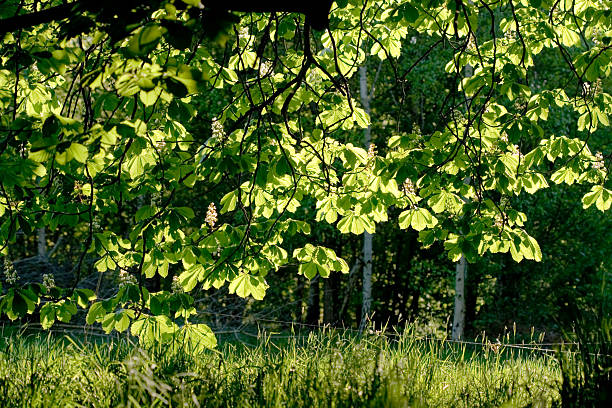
<point x="144" y="40"/>
<point x="19" y="306"/>
<point x="190" y="78"/>
<point x="148" y="98"/>
<point x="604" y="200"/>
<point x="438" y="202"/>
<point x="532" y="250"/>
<point x="190" y="278"/>
<point x="196" y="338"/>
<point x="310" y="270"/>
<point x="569" y="37"/>
<point x="122" y="321"/>
<point x="65" y="311"/>
<point x="186" y="212"/>
<point x="418" y="218"/>
<point x="82" y="297"/>
<point x="565" y="175"/>
<point x="78" y="152"/>
<point x="47" y="315"/>
<point x="229" y="201"/>
<point x="591" y="197"/>
<point x="152" y="330"/>
<point x="409" y="12"/>
<point x="248" y="285"/>
<point x="95" y="313"/>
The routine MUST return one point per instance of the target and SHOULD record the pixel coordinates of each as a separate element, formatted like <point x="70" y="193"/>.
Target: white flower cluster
<point x="372" y="151"/>
<point x="589" y="90"/>
<point x="126" y="278"/>
<point x="48" y="281"/>
<point x="266" y="68"/>
<point x="211" y="215"/>
<point x="471" y="43"/>
<point x="520" y="105"/>
<point x="598" y="87"/>
<point x="599" y="163"/>
<point x="408" y="187"/>
<point x="9" y="272"/>
<point x="517" y="152"/>
<point x="499" y="221"/>
<point x="95" y="223"/>
<point x="371" y="155"/>
<point x="217" y="129"/>
<point x="243" y="33"/>
<point x="160" y="144"/>
<point x="504" y="137"/>
<point x="176" y="285"/>
<point x="595" y="37"/>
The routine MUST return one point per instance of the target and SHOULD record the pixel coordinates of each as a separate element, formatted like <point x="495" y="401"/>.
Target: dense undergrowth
<point x="321" y="369"/>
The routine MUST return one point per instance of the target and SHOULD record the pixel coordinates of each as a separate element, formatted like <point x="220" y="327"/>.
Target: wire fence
<point x="548" y="347"/>
<point x="85" y="331"/>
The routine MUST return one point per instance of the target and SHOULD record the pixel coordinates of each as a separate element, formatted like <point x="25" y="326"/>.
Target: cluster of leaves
<point x="108" y="115"/>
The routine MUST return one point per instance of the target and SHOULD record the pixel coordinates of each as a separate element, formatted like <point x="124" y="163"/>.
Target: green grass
<point x="323" y="369"/>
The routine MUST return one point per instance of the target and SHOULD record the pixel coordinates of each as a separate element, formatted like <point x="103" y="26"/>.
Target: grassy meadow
<point x="321" y="369"/>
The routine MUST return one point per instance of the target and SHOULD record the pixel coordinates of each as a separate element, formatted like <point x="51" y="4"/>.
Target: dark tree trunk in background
<point x="402" y="280"/>
<point x="393" y="286"/>
<point x="347" y="291"/>
<point x="508" y="286"/>
<point x="330" y="299"/>
<point x="414" y="305"/>
<point x="299" y="298"/>
<point x="472" y="283"/>
<point x="313" y="312"/>
<point x="42" y="242"/>
<point x="156" y="283"/>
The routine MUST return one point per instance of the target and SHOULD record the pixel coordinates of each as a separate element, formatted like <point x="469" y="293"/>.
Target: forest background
<point x="110" y="138"/>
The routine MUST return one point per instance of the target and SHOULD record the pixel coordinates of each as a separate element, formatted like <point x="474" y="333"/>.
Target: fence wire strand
<point x="88" y="330"/>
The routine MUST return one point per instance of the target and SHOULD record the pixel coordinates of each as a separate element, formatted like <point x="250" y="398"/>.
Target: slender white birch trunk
<point x="459" y="311"/>
<point x="367" y="237"/>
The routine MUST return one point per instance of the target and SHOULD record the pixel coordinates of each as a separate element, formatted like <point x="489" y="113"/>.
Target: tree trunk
<point x="414" y="305"/>
<point x="312" y="314"/>
<point x="42" y="242"/>
<point x="330" y="294"/>
<point x="472" y="282"/>
<point x="299" y="297"/>
<point x="348" y="291"/>
<point x="459" y="313"/>
<point x="366" y="293"/>
<point x="367" y="237"/>
<point x="460" y="275"/>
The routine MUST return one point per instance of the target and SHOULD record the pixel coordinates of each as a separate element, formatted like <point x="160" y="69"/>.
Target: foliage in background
<point x="102" y="137"/>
